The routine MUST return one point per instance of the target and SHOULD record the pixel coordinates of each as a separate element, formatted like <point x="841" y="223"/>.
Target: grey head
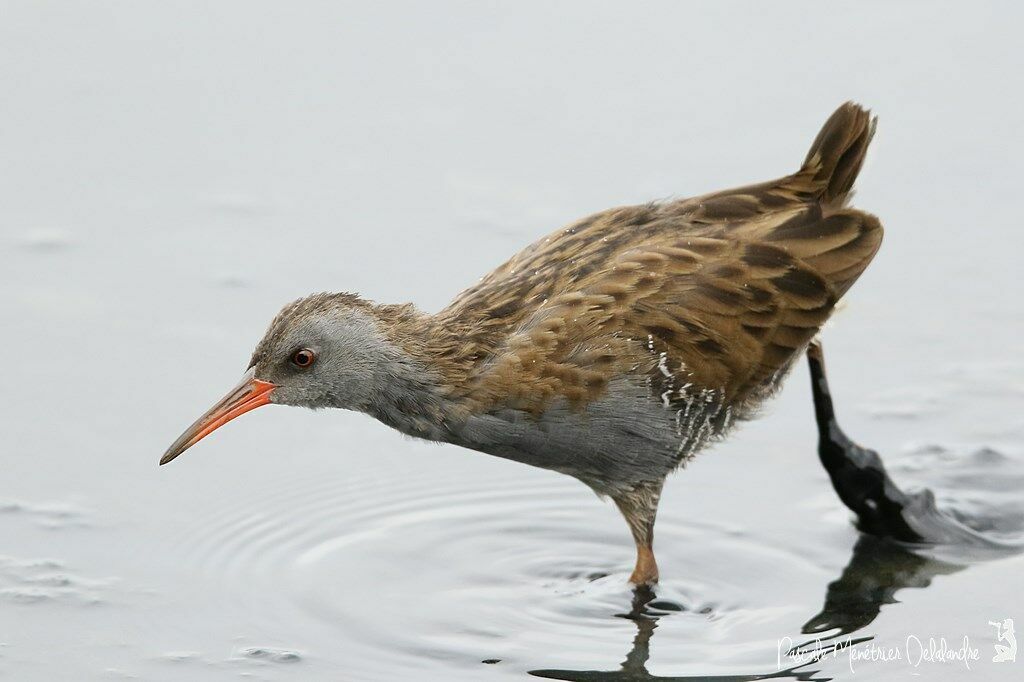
<point x="324" y="350"/>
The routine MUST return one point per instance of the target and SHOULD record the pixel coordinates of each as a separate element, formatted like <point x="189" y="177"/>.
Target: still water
<point x="172" y="173"/>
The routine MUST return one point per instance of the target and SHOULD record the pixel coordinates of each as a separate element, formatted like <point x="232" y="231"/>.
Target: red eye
<point x="303" y="357"/>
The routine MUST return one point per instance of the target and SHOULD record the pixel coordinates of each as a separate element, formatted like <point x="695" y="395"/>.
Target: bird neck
<point x="412" y="391"/>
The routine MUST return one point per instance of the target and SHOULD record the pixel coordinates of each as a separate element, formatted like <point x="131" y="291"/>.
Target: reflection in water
<point x="877" y="569"/>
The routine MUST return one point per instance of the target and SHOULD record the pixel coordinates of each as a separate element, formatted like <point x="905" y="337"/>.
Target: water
<point x="171" y="174"/>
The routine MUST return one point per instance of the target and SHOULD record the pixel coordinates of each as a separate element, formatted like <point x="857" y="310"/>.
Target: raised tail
<point x="836" y="240"/>
<point x="835" y="158"/>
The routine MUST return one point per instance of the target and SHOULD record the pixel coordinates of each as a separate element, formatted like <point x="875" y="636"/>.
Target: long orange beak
<point x="249" y="394"/>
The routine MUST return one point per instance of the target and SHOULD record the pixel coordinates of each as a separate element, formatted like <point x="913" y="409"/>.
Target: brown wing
<point x="722" y="290"/>
<point x="737" y="311"/>
<point x="554" y="265"/>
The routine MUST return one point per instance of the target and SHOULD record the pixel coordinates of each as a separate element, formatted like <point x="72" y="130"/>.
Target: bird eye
<point x="303" y="357"/>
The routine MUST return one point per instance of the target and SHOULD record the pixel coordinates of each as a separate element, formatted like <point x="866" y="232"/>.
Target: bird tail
<point x="835" y="157"/>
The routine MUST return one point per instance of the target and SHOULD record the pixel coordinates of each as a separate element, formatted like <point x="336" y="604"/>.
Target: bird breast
<point x="611" y="443"/>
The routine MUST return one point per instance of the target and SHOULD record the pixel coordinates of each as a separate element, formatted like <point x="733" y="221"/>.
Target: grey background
<point x="171" y="173"/>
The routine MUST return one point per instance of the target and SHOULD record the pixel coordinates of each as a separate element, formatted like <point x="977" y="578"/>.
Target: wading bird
<point x="612" y="350"/>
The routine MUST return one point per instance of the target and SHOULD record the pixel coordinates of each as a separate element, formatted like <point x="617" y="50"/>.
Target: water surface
<point x="172" y="173"/>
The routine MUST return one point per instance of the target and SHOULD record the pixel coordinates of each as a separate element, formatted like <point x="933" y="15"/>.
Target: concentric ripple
<point x="523" y="573"/>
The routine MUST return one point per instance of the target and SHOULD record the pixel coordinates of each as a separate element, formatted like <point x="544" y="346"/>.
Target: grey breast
<point x="624" y="437"/>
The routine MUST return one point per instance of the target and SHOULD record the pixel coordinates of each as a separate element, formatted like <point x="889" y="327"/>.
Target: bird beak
<point x="249" y="394"/>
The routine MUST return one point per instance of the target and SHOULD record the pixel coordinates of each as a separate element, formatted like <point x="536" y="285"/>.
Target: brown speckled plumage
<point x="730" y="286"/>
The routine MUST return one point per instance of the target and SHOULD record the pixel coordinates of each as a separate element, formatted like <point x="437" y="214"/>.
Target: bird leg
<point x="639" y="506"/>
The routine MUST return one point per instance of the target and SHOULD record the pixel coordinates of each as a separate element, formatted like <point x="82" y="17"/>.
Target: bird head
<point x="324" y="350"/>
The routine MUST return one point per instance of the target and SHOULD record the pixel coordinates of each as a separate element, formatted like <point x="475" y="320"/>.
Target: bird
<point x="613" y="350"/>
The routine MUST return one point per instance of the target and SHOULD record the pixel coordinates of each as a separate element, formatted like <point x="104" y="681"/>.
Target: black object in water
<point x="862" y="483"/>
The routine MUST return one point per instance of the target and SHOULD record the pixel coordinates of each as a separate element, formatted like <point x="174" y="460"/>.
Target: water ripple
<point x="495" y="571"/>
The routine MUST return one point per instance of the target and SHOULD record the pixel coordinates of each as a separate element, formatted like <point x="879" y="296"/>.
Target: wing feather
<point x="721" y="291"/>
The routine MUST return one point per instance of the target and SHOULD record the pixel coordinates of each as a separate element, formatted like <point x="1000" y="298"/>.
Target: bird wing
<point x="724" y="306"/>
<point x="719" y="291"/>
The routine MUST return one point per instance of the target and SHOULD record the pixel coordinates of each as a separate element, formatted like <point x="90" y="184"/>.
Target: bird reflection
<point x="877" y="569"/>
